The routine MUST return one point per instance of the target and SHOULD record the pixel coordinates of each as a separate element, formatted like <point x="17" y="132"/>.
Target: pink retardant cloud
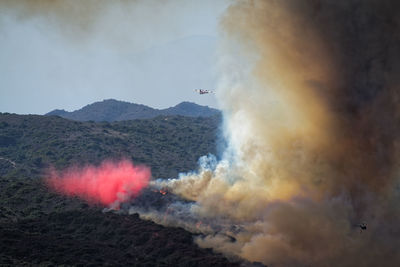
<point x="109" y="183"/>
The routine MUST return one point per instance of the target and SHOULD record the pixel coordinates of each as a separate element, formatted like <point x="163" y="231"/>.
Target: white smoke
<point x="309" y="158"/>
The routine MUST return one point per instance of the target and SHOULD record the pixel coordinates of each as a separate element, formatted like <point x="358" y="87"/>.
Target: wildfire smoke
<point x="310" y="95"/>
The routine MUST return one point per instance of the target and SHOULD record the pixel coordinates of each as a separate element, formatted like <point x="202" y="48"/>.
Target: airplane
<point x="363" y="226"/>
<point x="203" y="91"/>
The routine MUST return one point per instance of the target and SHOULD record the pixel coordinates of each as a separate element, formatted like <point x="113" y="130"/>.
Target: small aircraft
<point x="203" y="91"/>
<point x="363" y="226"/>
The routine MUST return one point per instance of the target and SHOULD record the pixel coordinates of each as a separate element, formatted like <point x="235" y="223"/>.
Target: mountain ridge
<point x="115" y="110"/>
<point x="39" y="227"/>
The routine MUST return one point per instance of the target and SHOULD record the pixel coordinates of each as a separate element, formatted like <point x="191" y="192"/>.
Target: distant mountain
<point x="114" y="110"/>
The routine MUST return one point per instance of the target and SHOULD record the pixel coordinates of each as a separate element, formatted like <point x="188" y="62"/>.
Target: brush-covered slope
<point x="39" y="227"/>
<point x="167" y="144"/>
<point x="114" y="110"/>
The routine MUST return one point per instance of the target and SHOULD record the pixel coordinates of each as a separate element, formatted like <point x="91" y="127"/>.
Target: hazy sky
<point x="65" y="54"/>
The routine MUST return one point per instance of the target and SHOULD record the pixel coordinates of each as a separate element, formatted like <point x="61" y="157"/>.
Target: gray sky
<point x="60" y="54"/>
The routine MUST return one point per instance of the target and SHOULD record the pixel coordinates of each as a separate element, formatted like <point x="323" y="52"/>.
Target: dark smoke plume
<point x="310" y="94"/>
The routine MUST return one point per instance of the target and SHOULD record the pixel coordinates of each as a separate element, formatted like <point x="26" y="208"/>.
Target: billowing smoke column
<point x="110" y="183"/>
<point x="310" y="92"/>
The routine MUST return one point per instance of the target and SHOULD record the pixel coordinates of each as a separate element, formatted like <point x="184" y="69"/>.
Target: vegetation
<point x="168" y="145"/>
<point x="39" y="227"/>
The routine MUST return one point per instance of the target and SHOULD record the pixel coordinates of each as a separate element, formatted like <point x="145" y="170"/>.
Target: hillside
<point x="114" y="110"/>
<point x="36" y="141"/>
<point x="39" y="227"/>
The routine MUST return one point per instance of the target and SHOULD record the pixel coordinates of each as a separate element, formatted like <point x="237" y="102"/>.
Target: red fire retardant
<point x="109" y="183"/>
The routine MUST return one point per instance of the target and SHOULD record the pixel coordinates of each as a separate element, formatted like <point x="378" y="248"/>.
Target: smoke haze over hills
<point x="80" y="52"/>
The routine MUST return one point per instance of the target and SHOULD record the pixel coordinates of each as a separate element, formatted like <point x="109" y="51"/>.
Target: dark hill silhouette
<point x="115" y="110"/>
<point x="41" y="228"/>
